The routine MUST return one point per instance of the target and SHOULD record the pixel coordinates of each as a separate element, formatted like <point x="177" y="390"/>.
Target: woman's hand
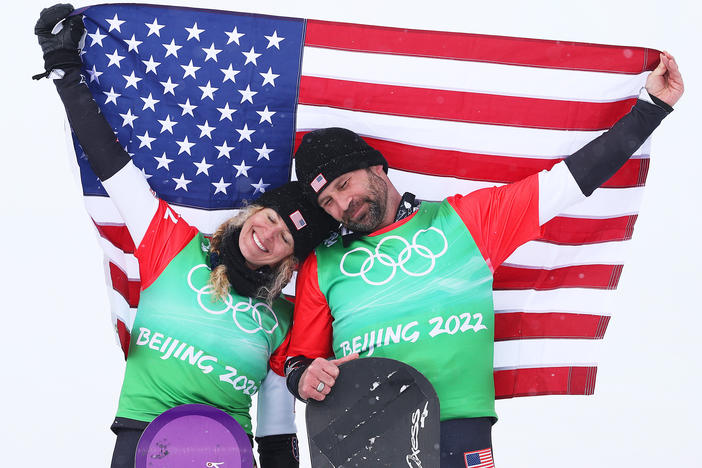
<point x="59" y="36"/>
<point x="320" y="372"/>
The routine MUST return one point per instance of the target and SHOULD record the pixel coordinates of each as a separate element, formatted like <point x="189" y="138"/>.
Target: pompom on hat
<point x="327" y="153"/>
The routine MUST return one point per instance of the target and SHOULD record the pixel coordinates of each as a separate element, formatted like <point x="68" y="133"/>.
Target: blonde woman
<point x="210" y="316"/>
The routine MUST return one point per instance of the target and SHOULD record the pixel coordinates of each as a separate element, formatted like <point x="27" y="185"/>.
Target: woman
<point x="197" y="337"/>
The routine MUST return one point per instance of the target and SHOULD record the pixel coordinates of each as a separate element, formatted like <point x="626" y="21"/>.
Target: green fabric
<point x="221" y="353"/>
<point x="424" y="299"/>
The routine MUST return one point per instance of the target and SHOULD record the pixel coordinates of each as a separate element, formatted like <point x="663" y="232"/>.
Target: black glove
<point x="60" y="49"/>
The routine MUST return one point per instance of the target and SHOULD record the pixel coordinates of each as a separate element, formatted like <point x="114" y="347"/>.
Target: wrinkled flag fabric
<point x="211" y="105"/>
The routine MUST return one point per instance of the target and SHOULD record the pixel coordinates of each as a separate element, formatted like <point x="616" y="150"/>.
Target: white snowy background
<point x="61" y="369"/>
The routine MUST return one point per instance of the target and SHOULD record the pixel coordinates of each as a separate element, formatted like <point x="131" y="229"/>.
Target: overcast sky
<point x="62" y="368"/>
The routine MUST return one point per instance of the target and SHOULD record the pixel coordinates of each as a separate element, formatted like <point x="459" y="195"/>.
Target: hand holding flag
<point x="59" y="36"/>
<point x="665" y="82"/>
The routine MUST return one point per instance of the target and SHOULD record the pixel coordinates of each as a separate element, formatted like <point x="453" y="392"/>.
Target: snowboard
<point x="379" y="413"/>
<point x="194" y="435"/>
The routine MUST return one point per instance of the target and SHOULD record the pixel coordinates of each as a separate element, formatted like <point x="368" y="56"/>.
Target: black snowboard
<point x="380" y="412"/>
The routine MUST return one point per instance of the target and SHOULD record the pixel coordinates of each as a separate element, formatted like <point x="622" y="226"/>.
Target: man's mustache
<point x="351" y="209"/>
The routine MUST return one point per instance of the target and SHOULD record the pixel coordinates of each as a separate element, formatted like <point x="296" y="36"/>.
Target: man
<point x="413" y="281"/>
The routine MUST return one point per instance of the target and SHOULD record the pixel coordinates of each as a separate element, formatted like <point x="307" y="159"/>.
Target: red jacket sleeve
<point x="166" y="235"/>
<point x="500" y="219"/>
<point x="311" y="333"/>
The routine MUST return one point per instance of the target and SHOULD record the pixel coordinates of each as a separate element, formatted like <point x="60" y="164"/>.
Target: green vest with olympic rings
<point x="188" y="348"/>
<point x="422" y="294"/>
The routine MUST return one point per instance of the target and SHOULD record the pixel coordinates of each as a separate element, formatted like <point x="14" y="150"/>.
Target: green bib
<point x="187" y="347"/>
<point x="422" y="294"/>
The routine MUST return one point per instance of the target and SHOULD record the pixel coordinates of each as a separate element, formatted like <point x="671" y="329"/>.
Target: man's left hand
<point x="665" y="82"/>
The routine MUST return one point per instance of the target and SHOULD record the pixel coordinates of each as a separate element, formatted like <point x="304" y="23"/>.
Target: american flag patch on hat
<point x="298" y="220"/>
<point x="479" y="459"/>
<point x="318" y="183"/>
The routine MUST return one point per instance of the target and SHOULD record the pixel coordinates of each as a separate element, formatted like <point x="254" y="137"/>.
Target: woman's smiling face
<point x="265" y="239"/>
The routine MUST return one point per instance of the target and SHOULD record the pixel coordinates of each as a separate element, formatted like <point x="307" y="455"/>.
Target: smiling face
<point x="359" y="199"/>
<point x="265" y="239"/>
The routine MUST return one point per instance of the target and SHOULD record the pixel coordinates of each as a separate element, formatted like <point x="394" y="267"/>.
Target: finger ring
<point x="320" y="387"/>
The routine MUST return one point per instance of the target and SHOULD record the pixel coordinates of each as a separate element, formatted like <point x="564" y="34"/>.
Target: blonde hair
<point x="282" y="272"/>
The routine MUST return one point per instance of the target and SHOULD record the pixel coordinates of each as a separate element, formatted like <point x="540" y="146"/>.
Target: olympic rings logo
<point x="401" y="260"/>
<point x="255" y="309"/>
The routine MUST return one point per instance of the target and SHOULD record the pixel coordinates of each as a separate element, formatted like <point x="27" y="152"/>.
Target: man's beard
<point x="376" y="200"/>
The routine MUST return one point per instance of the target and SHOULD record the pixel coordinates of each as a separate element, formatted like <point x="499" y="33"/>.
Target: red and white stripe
<point x="453" y="113"/>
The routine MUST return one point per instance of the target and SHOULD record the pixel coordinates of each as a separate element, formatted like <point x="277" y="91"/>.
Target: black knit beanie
<point x="327" y="153"/>
<point x="308" y="224"/>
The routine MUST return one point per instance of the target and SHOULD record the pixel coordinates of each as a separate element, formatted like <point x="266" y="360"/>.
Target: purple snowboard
<point x="194" y="436"/>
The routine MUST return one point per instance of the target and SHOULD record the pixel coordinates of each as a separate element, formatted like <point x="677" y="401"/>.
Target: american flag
<point x="479" y="459"/>
<point x="211" y="105"/>
<point x="298" y="220"/>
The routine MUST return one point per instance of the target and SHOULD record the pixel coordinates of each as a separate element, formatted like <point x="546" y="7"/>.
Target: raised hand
<point x="59" y="42"/>
<point x="665" y="82"/>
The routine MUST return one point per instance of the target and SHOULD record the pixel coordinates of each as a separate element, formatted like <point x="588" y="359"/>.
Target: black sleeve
<point x="105" y="155"/>
<point x="294" y="368"/>
<point x="278" y="451"/>
<point x="596" y="162"/>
